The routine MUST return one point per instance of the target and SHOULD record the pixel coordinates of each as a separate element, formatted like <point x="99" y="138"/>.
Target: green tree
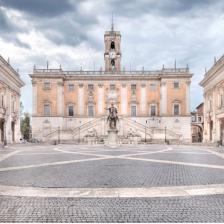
<point x="25" y="126"/>
<point x="21" y="110"/>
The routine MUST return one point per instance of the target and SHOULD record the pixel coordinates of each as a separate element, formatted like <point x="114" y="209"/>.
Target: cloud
<point x="70" y="33"/>
<point x="39" y="8"/>
<point x="9" y="30"/>
<point x="165" y="8"/>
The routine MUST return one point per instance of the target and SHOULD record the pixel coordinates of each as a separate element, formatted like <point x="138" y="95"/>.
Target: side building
<point x="72" y="105"/>
<point x="10" y="85"/>
<point x="213" y="87"/>
<point x="197" y="123"/>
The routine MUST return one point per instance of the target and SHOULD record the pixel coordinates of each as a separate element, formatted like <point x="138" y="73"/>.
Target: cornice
<point x="214" y="71"/>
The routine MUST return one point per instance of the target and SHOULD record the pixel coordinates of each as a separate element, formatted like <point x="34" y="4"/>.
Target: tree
<point x="25" y="126"/>
<point x="21" y="110"/>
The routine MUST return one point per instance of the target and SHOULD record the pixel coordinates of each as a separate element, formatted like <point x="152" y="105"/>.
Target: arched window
<point x="90" y="110"/>
<point x="176" y="109"/>
<point x="133" y="110"/>
<point x="112" y="45"/>
<point x="47" y="109"/>
<point x="70" y="110"/>
<point x="153" y="109"/>
<point x="113" y="62"/>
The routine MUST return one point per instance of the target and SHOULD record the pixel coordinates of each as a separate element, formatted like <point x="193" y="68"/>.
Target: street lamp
<point x="146" y="122"/>
<point x="5" y="121"/>
<point x="58" y="134"/>
<point x="79" y="131"/>
<point x="5" y="139"/>
<point x="165" y="134"/>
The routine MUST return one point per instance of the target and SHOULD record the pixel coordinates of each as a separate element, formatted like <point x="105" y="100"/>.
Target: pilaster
<point x="188" y="97"/>
<point x="34" y="84"/>
<point x="81" y="99"/>
<point x="60" y="98"/>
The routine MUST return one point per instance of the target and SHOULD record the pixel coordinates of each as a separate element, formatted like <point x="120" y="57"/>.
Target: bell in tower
<point x="112" y="55"/>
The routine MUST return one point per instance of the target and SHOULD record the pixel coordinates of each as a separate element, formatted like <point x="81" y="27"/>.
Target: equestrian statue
<point x="112" y="117"/>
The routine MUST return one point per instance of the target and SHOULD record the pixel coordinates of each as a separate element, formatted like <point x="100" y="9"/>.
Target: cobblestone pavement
<point x="147" y="183"/>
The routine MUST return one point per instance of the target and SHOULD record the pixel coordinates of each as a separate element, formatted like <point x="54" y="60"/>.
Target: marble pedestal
<point x="112" y="138"/>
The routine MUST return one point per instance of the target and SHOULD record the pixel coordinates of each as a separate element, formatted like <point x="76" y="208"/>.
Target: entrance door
<point x="13" y="130"/>
<point x="1" y="130"/>
<point x="211" y="129"/>
<point x="222" y="131"/>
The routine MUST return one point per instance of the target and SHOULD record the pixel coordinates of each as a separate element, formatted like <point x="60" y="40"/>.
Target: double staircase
<point x="96" y="129"/>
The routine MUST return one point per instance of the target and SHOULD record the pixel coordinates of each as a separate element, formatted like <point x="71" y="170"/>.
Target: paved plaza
<point x="79" y="183"/>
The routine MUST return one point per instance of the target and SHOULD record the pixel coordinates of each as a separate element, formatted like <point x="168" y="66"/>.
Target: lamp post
<point x="5" y="121"/>
<point x="165" y="134"/>
<point x="5" y="139"/>
<point x="146" y="122"/>
<point x="79" y="131"/>
<point x="58" y="134"/>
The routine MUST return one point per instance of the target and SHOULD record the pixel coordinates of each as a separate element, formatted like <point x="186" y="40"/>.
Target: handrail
<point x="168" y="131"/>
<point x="148" y="128"/>
<point x="56" y="130"/>
<point x="137" y="123"/>
<point x="87" y="123"/>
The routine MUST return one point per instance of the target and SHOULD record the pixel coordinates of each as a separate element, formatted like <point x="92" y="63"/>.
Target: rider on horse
<point x="112" y="118"/>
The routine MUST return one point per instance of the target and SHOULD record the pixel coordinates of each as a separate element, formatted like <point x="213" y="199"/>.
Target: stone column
<point x="124" y="96"/>
<point x="81" y="99"/>
<point x="215" y="125"/>
<point x="205" y="109"/>
<point x="188" y="98"/>
<point x="34" y="97"/>
<point x="143" y="99"/>
<point x="17" y="123"/>
<point x="60" y="98"/>
<point x="8" y="117"/>
<point x="163" y="98"/>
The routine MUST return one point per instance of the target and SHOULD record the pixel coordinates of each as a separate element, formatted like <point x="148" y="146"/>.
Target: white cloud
<point x="153" y="33"/>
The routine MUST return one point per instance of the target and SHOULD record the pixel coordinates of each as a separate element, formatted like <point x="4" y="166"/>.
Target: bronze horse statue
<point x="112" y="118"/>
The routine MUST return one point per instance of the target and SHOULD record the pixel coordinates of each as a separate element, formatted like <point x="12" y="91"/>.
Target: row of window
<point x="219" y="103"/>
<point x="152" y="86"/>
<point x="196" y="118"/>
<point x="3" y="102"/>
<point x="90" y="110"/>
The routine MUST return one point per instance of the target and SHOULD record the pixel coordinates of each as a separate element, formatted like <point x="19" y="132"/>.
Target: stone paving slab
<point x="191" y="158"/>
<point x="115" y="153"/>
<point x="193" y="151"/>
<point x="26" y="160"/>
<point x="178" y="209"/>
<point x="112" y="173"/>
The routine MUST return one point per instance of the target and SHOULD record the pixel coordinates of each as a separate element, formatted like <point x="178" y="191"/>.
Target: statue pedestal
<point x="112" y="138"/>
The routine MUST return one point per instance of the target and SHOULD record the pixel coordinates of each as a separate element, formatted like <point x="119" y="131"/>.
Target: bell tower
<point x="112" y="54"/>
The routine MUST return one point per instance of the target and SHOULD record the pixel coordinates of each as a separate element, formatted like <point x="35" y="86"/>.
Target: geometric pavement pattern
<point x="77" y="183"/>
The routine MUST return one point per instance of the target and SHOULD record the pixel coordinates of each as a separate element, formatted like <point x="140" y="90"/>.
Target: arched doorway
<point x="210" y="130"/>
<point x="2" y="134"/>
<point x="13" y="130"/>
<point x="222" y="131"/>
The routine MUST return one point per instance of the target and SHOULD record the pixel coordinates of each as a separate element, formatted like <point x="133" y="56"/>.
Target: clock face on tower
<point x="112" y="54"/>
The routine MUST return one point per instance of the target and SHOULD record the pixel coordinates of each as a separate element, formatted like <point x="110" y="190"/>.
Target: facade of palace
<point x="213" y="85"/>
<point x="73" y="105"/>
<point x="10" y="84"/>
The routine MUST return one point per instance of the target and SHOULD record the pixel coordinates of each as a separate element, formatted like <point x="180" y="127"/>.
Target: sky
<point x="70" y="33"/>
